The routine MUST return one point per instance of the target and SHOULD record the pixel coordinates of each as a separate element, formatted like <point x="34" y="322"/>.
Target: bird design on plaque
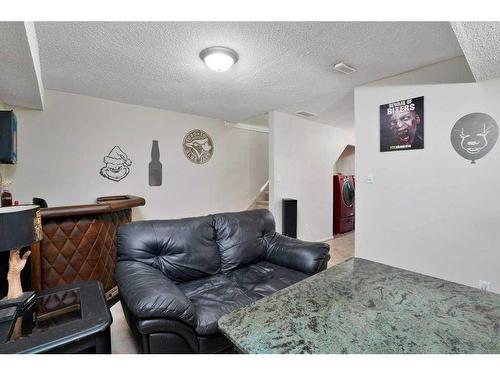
<point x="198" y="146"/>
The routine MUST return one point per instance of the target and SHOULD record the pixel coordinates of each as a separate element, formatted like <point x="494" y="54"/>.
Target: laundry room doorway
<point x="344" y="182"/>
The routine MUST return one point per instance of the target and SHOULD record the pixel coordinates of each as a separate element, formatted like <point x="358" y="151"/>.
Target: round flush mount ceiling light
<point x="219" y="59"/>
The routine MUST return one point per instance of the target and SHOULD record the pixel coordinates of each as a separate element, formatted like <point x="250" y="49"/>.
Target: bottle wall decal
<point x="155" y="167"/>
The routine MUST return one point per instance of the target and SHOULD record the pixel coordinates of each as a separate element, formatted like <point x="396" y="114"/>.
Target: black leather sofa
<point x="178" y="277"/>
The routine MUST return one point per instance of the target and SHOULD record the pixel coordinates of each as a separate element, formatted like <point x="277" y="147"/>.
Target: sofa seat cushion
<point x="213" y="297"/>
<point x="263" y="278"/>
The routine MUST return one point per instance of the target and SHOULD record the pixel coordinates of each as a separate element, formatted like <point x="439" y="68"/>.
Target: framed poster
<point x="402" y="125"/>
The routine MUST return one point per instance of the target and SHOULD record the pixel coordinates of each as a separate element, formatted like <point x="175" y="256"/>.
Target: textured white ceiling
<point x="480" y="42"/>
<point x="281" y="64"/>
<point x="20" y="78"/>
<point x="338" y="108"/>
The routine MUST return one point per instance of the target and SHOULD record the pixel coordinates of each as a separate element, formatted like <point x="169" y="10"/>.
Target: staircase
<point x="262" y="200"/>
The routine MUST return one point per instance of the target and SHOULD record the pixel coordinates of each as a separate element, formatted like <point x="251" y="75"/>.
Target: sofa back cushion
<point x="241" y="237"/>
<point x="183" y="249"/>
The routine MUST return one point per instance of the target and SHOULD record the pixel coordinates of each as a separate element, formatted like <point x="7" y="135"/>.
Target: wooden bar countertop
<point x="103" y="205"/>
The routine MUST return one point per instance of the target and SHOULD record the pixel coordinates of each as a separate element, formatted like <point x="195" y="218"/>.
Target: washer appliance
<point x="343" y="203"/>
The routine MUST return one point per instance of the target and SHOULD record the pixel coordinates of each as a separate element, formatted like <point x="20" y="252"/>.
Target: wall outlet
<point x="484" y="285"/>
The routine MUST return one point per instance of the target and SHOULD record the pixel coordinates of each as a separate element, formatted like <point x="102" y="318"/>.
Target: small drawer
<point x="346" y="224"/>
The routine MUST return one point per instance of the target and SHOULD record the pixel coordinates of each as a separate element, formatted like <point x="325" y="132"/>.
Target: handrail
<point x="264" y="187"/>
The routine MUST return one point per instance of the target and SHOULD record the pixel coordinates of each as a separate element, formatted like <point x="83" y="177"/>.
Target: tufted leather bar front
<point x="79" y="243"/>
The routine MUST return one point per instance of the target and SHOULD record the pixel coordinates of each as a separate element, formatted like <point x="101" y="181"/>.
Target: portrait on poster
<point x="402" y="125"/>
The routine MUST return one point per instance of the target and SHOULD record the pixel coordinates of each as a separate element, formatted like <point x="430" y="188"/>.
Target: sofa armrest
<point x="148" y="293"/>
<point x="306" y="257"/>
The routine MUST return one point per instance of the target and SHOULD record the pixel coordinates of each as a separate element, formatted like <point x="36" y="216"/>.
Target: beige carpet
<point x="341" y="248"/>
<point x="122" y="341"/>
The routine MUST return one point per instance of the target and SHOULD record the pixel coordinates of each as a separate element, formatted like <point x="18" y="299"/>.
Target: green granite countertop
<point x="361" y="306"/>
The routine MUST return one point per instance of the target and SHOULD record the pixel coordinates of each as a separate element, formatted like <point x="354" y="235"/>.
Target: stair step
<point x="262" y="200"/>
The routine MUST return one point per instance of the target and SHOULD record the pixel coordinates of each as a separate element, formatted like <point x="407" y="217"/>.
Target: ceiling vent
<point x="343" y="68"/>
<point x="305" y="114"/>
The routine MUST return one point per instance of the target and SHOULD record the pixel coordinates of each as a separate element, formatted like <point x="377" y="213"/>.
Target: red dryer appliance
<point x="343" y="203"/>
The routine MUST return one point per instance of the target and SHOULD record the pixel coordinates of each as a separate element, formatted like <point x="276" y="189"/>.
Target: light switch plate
<point x="484" y="285"/>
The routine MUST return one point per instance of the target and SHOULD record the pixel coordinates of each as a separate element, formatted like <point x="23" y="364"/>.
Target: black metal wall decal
<point x="117" y="165"/>
<point x="474" y="135"/>
<point x="155" y="167"/>
<point x="198" y="146"/>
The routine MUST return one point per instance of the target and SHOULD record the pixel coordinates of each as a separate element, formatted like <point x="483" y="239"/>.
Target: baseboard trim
<point x="325" y="239"/>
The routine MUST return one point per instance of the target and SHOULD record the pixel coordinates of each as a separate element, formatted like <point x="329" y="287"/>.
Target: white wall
<point x="429" y="210"/>
<point x="454" y="70"/>
<point x="61" y="151"/>
<point x="302" y="156"/>
<point x="346" y="162"/>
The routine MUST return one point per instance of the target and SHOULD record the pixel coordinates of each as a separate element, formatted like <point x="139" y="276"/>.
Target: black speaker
<point x="289" y="222"/>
